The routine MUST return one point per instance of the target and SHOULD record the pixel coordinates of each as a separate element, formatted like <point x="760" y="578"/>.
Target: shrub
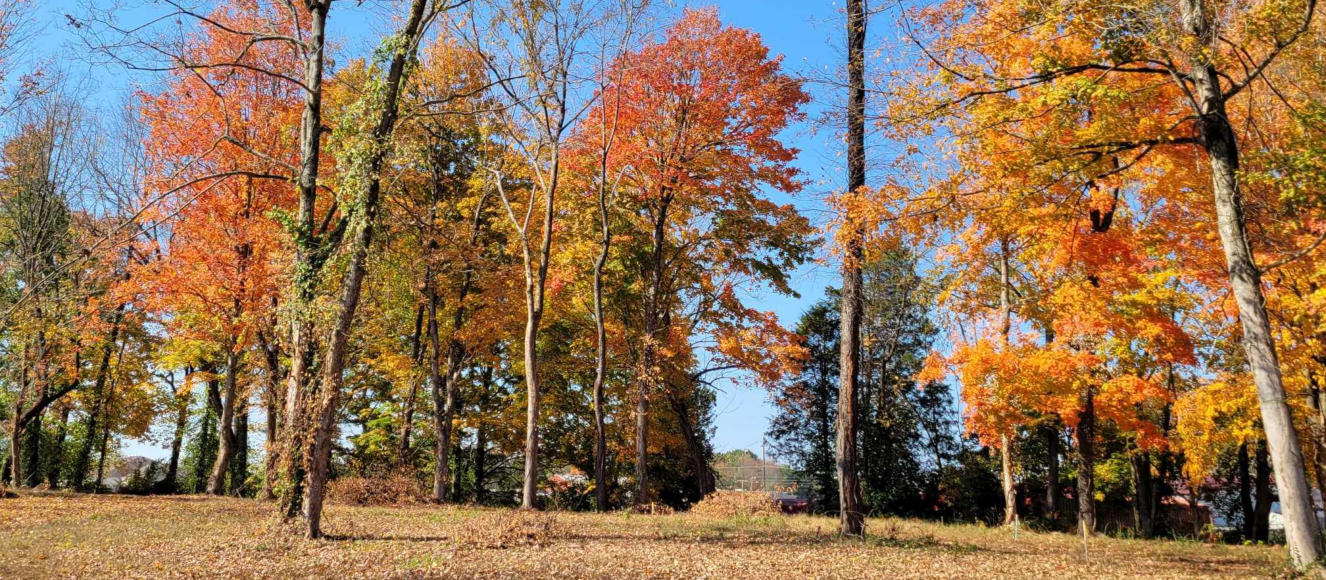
<point x="726" y="504"/>
<point x="142" y="481"/>
<point x="398" y="489"/>
<point x="566" y="492"/>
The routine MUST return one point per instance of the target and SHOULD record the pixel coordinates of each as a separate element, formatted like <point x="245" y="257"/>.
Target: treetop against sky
<point x="802" y="32"/>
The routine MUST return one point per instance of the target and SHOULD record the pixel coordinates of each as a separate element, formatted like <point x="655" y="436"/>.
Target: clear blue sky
<point x="808" y="34"/>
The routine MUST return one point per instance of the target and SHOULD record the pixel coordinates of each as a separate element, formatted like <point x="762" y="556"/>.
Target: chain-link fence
<point x="772" y="479"/>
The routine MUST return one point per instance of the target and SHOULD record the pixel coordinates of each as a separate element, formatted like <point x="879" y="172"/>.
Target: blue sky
<point x="807" y="34"/>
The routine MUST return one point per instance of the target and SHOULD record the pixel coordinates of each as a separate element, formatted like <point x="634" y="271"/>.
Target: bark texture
<point x="851" y="511"/>
<point x="1216" y="136"/>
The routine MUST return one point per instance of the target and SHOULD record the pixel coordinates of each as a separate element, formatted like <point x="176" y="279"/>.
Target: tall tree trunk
<point x="14" y="462"/>
<point x="446" y="415"/>
<point x="851" y="514"/>
<point x="1318" y="419"/>
<point x="1245" y="493"/>
<point x="32" y="451"/>
<point x="1053" y="496"/>
<point x="1086" y="464"/>
<point x="480" y="454"/>
<point x="233" y="458"/>
<point x="27" y="433"/>
<point x="607" y="135"/>
<point x="444" y="388"/>
<point x="655" y="305"/>
<point x="481" y="436"/>
<point x="1165" y="470"/>
<point x="105" y="428"/>
<point x="207" y="442"/>
<point x="1006" y="480"/>
<point x="555" y="121"/>
<point x="1006" y="440"/>
<point x="826" y="488"/>
<point x="84" y="460"/>
<point x="309" y="258"/>
<point x="272" y="408"/>
<point x="536" y="279"/>
<point x="407" y="411"/>
<point x="641" y="496"/>
<point x="1140" y="464"/>
<point x="441" y="424"/>
<point x="328" y="397"/>
<point x="531" y="471"/>
<point x="171" y="483"/>
<point x="868" y="389"/>
<point x="704" y="479"/>
<point x="601" y="344"/>
<point x="239" y="463"/>
<point x="446" y="401"/>
<point x="1262" y="512"/>
<point x="108" y="411"/>
<point x="444" y="384"/>
<point x="1217" y="138"/>
<point x="101" y="456"/>
<point x="56" y="461"/>
<point x="327" y="401"/>
<point x="456" y="474"/>
<point x="216" y="482"/>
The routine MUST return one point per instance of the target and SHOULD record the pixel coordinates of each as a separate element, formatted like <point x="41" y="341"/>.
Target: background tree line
<point x="430" y="260"/>
<point x="519" y="241"/>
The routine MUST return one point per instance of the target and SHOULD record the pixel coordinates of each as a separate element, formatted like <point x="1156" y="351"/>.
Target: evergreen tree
<point x="897" y="336"/>
<point x="908" y="434"/>
<point x="803" y="431"/>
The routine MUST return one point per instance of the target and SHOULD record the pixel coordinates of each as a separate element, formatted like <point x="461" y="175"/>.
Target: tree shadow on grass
<point x="734" y="537"/>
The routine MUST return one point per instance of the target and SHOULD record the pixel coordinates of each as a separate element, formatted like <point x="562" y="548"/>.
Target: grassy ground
<point x="119" y="536"/>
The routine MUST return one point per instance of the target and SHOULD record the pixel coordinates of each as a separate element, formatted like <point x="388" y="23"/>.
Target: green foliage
<point x="802" y="433"/>
<point x="910" y="448"/>
<point x="200" y="449"/>
<point x="1114" y="478"/>
<point x="143" y="481"/>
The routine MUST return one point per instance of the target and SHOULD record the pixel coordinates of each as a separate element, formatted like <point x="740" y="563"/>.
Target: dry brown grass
<point x="141" y="537"/>
<point x="506" y="529"/>
<point x="653" y="509"/>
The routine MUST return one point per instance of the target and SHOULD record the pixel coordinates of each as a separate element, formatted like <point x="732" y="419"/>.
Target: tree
<point x="900" y="428"/>
<point x="16" y="32"/>
<point x="312" y="247"/>
<point x="535" y="76"/>
<point x="1099" y="107"/>
<point x="1217" y="138"/>
<point x="297" y="29"/>
<point x="606" y="185"/>
<point x="696" y="136"/>
<point x="803" y="431"/>
<point x="215" y="279"/>
<point x="46" y="166"/>
<point x="364" y="160"/>
<point x="851" y="516"/>
<point x="452" y="217"/>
